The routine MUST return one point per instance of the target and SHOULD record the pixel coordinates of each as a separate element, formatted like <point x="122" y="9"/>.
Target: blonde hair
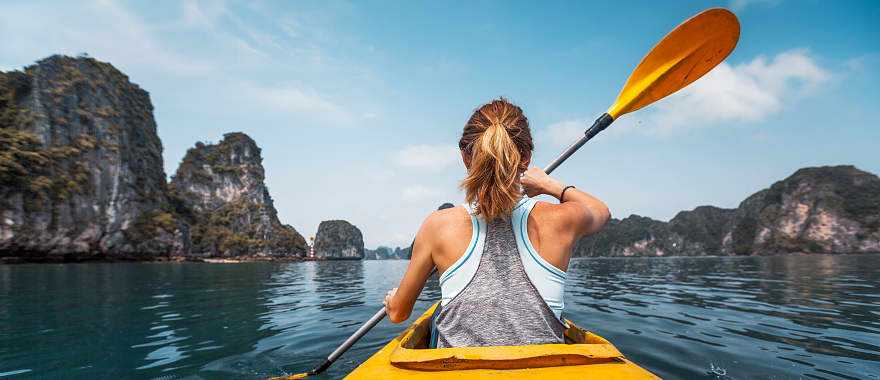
<point x="499" y="145"/>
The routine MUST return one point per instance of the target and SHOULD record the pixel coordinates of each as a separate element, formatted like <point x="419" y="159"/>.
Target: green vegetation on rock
<point x="219" y="189"/>
<point x="81" y="165"/>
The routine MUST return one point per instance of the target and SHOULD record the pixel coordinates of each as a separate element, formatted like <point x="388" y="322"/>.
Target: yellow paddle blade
<point x="687" y="53"/>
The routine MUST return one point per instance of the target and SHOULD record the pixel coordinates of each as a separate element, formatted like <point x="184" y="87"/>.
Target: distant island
<point x="82" y="178"/>
<point x="829" y="209"/>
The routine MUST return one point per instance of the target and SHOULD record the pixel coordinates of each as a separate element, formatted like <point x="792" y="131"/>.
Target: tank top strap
<point x="547" y="279"/>
<point x="524" y="205"/>
<point x="460" y="273"/>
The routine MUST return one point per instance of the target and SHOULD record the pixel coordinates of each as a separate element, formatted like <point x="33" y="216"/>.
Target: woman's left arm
<point x="399" y="301"/>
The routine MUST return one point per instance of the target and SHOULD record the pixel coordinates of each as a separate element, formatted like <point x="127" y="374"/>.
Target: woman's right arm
<point x="583" y="213"/>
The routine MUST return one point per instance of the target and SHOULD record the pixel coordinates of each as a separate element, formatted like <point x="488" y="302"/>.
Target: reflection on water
<point x="335" y="294"/>
<point x="715" y="318"/>
<point x="797" y="316"/>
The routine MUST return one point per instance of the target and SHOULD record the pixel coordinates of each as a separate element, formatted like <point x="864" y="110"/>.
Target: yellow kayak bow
<point x="585" y="356"/>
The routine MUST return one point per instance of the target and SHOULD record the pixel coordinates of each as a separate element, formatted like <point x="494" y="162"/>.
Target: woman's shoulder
<point x="446" y="225"/>
<point x="444" y="233"/>
<point x="570" y="218"/>
<point x="442" y="219"/>
<point x="558" y="214"/>
<point x="545" y="209"/>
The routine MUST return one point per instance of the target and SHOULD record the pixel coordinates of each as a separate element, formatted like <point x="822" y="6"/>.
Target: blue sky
<point x="358" y="106"/>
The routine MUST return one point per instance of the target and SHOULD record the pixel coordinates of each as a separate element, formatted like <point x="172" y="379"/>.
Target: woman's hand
<point x="583" y="213"/>
<point x="536" y="182"/>
<point x="388" y="297"/>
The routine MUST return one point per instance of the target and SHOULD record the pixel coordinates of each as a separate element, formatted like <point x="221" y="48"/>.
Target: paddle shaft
<point x="598" y="126"/>
<point x="350" y="341"/>
<point x="361" y="331"/>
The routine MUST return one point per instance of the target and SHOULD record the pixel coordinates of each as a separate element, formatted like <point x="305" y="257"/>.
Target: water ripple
<point x="722" y="318"/>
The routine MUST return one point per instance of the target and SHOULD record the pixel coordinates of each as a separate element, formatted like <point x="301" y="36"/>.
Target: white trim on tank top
<point x="463" y="270"/>
<point x="547" y="279"/>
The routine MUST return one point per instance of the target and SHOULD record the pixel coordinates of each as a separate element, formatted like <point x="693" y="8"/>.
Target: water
<point x="714" y="318"/>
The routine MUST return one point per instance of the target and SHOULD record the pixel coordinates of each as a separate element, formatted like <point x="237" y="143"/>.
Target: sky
<point x="358" y="106"/>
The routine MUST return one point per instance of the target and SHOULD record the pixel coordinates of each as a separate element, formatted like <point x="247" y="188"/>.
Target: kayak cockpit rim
<point x="582" y="347"/>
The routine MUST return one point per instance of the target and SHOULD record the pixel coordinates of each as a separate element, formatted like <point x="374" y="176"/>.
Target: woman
<point x="502" y="256"/>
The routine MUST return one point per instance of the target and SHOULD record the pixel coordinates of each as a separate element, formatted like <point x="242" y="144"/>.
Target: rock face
<point x="338" y="239"/>
<point x="388" y="253"/>
<point x="632" y="236"/>
<point x="380" y="253"/>
<point x="702" y="228"/>
<point x="81" y="165"/>
<point x="816" y="210"/>
<point x="403" y="253"/>
<point x="220" y="190"/>
<point x="689" y="233"/>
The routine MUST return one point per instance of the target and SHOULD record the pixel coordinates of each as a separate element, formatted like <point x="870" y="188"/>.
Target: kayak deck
<point x="586" y="355"/>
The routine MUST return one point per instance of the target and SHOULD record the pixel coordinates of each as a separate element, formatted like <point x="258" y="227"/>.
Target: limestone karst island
<point x="83" y="179"/>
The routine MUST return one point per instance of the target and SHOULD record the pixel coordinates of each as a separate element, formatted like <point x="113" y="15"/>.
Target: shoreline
<point x="17" y="260"/>
<point x="67" y="259"/>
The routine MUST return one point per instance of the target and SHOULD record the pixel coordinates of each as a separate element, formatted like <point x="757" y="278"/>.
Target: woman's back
<point x="503" y="257"/>
<point x="500" y="284"/>
<point x="449" y="232"/>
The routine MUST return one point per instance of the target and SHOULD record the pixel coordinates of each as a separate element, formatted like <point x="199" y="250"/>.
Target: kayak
<point x="584" y="356"/>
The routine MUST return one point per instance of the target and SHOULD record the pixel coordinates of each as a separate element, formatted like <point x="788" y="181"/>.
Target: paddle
<point x="687" y="53"/>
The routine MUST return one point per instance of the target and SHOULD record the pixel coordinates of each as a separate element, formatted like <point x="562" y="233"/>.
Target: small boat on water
<point x="584" y="356"/>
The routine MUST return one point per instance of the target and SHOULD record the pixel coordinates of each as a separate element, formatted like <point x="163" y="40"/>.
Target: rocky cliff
<point x="403" y="253"/>
<point x="703" y="229"/>
<point x="633" y="236"/>
<point x="388" y="253"/>
<point x="338" y="239"/>
<point x="380" y="253"/>
<point x="445" y="206"/>
<point x="815" y="210"/>
<point x="220" y="190"/>
<point x="81" y="165"/>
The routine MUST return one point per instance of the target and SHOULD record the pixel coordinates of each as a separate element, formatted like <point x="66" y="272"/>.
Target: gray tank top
<point x="499" y="306"/>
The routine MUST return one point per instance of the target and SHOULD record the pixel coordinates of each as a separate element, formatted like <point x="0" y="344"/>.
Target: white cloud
<point x="103" y="29"/>
<point x="740" y="5"/>
<point x="420" y="193"/>
<point x="202" y="13"/>
<point x="748" y="92"/>
<point x="295" y="100"/>
<point x="562" y="133"/>
<point x="427" y="157"/>
<point x="744" y="93"/>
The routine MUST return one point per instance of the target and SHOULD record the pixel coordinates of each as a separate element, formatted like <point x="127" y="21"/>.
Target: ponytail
<point x="498" y="142"/>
